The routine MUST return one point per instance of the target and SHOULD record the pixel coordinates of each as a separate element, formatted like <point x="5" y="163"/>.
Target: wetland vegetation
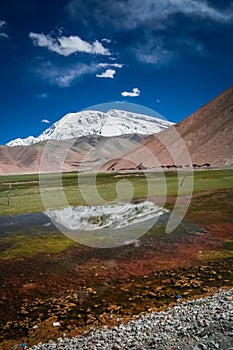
<point x="46" y="277"/>
<point x="21" y="194"/>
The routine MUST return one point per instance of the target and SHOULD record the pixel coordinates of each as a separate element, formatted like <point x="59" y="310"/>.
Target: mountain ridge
<point x="89" y="122"/>
<point x="204" y="137"/>
<point x="84" y="153"/>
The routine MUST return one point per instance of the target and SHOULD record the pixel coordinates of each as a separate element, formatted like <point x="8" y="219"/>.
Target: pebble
<point x="193" y="320"/>
<point x="56" y="324"/>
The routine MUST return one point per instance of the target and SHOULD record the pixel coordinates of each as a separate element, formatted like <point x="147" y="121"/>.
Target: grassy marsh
<point x="22" y="193"/>
<point x="14" y="246"/>
<point x="211" y="204"/>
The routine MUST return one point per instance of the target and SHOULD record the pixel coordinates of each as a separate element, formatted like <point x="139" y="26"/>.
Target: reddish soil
<point x="30" y="286"/>
<point x="83" y="286"/>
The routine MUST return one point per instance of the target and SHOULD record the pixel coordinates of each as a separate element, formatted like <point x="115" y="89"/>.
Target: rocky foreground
<point x="202" y="324"/>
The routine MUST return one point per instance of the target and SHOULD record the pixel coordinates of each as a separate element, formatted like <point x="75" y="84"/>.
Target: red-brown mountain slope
<point x="206" y="136"/>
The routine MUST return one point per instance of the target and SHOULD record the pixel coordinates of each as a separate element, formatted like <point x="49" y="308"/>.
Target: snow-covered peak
<point x="22" y="142"/>
<point x="88" y="122"/>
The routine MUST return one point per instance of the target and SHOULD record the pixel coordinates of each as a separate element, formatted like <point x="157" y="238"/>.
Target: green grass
<point x="213" y="205"/>
<point x="87" y="189"/>
<point x="21" y="244"/>
<point x="211" y="180"/>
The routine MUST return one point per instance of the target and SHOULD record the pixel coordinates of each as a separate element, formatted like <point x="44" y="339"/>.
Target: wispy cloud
<point x="132" y="13"/>
<point x="109" y="73"/>
<point x="134" y="93"/>
<point x="161" y="51"/>
<point x="65" y="76"/>
<point x="160" y="10"/>
<point x="157" y="25"/>
<point x="3" y="25"/>
<point x="168" y="40"/>
<point x="42" y="96"/>
<point x="153" y="51"/>
<point x="108" y="41"/>
<point x="66" y="46"/>
<point x="115" y="65"/>
<point x="46" y="121"/>
<point x="3" y="35"/>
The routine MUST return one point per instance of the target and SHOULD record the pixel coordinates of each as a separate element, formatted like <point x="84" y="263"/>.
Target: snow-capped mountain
<point x="112" y="123"/>
<point x="30" y="140"/>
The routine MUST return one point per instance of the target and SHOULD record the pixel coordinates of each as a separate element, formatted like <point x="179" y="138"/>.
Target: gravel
<point x="203" y="324"/>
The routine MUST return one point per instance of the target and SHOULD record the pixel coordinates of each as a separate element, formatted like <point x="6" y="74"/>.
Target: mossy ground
<point x="47" y="277"/>
<point x="18" y="245"/>
<point x="212" y="201"/>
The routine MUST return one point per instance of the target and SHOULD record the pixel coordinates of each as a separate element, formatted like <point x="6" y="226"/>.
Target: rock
<point x="200" y="346"/>
<point x="179" y="328"/>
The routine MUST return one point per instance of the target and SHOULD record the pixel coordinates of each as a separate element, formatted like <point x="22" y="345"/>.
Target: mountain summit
<point x="206" y="136"/>
<point x="112" y="123"/>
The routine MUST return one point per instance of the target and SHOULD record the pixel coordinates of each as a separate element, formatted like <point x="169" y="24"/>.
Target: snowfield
<point x="112" y="123"/>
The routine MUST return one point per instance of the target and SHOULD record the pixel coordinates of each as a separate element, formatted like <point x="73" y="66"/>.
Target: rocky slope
<point x="195" y="325"/>
<point x="205" y="137"/>
<point x="83" y="153"/>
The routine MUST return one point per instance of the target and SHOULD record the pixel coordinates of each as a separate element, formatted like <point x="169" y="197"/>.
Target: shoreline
<point x="204" y="323"/>
<point x="36" y="321"/>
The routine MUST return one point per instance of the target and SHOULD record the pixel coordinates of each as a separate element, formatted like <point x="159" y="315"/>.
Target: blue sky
<point x="63" y="56"/>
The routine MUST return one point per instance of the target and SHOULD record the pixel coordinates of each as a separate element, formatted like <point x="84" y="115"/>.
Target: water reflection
<point x="107" y="226"/>
<point x="101" y="226"/>
<point x="98" y="217"/>
<point x="25" y="223"/>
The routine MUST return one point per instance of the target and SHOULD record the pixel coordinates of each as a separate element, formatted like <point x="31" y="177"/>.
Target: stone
<point x="202" y="324"/>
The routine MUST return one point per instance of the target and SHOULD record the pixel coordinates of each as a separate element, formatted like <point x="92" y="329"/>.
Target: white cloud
<point x="3" y="25"/>
<point x="108" y="41"/>
<point x="66" y="46"/>
<point x="65" y="76"/>
<point x="115" y="65"/>
<point x="134" y="93"/>
<point x="109" y="73"/>
<point x="46" y="121"/>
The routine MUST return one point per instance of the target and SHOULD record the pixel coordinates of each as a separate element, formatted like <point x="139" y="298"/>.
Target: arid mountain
<point x="83" y="153"/>
<point x="205" y="137"/>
